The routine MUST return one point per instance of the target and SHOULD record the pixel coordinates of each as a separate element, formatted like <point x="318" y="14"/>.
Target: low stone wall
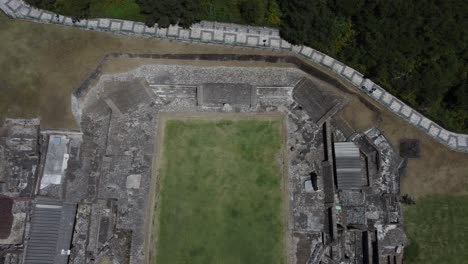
<point x="246" y="36"/>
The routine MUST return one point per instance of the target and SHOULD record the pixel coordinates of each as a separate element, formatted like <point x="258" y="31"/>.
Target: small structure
<point x="219" y="94"/>
<point x="348" y="166"/>
<point x="56" y="160"/>
<point x="319" y="103"/>
<point x="51" y="232"/>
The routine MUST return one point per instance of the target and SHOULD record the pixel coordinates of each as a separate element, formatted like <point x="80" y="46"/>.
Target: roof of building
<point x="348" y="166"/>
<point x="51" y="232"/>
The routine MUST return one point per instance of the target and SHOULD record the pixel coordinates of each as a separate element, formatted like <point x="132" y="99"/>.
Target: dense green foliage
<point x="416" y="49"/>
<point x="121" y="9"/>
<point x="437" y="227"/>
<point x="187" y="12"/>
<point x="220" y="198"/>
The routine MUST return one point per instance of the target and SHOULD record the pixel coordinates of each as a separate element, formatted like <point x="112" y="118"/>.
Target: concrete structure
<point x="246" y="36"/>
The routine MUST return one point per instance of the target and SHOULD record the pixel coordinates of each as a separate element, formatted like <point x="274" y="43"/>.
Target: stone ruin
<point x="101" y="175"/>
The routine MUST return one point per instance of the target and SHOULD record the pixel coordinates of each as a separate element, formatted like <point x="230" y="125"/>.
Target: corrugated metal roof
<point x="50" y="233"/>
<point x="348" y="165"/>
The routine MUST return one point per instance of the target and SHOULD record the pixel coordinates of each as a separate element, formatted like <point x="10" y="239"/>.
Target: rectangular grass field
<point x="437" y="227"/>
<point x="220" y="193"/>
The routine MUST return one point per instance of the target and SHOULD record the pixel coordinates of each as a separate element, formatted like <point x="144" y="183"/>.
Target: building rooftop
<point x="348" y="166"/>
<point x="51" y="232"/>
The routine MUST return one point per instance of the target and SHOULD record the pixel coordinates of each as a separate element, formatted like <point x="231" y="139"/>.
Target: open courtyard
<point x="220" y="197"/>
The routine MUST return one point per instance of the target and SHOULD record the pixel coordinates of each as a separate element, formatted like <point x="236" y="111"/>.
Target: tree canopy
<point x="415" y="49"/>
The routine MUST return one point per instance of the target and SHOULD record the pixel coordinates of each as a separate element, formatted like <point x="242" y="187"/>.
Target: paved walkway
<point x="247" y="36"/>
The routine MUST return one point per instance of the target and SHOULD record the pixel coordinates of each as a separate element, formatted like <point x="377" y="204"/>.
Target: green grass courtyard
<point x="220" y="193"/>
<point x="437" y="227"/>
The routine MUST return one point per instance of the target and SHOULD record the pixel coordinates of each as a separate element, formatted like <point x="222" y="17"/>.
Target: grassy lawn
<point x="437" y="227"/>
<point x="220" y="198"/>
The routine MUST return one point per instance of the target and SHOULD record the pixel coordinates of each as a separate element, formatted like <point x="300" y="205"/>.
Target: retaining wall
<point x="246" y="36"/>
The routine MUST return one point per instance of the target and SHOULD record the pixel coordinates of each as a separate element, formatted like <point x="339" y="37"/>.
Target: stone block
<point x="93" y="24"/>
<point x="453" y="142"/>
<point x="116" y="26"/>
<point x="195" y="33"/>
<point x="241" y="38"/>
<point x="462" y="140"/>
<point x="415" y="118"/>
<point x="425" y="123"/>
<point x="14" y="5"/>
<point x="207" y="35"/>
<point x="433" y="130"/>
<point x="357" y="78"/>
<point x="127" y="26"/>
<point x="104" y="23"/>
<point x="35" y="13"/>
<point x="395" y="106"/>
<point x="368" y="83"/>
<point x="150" y="30"/>
<point x="46" y="17"/>
<point x="275" y="43"/>
<point x="306" y="51"/>
<point x="337" y="67"/>
<point x="24" y="11"/>
<point x="60" y="19"/>
<point x="173" y="31"/>
<point x="230" y="38"/>
<point x="444" y="135"/>
<point x="317" y="57"/>
<point x="328" y="61"/>
<point x="406" y="110"/>
<point x="138" y="28"/>
<point x="296" y="48"/>
<point x="184" y="33"/>
<point x="218" y="35"/>
<point x="387" y="98"/>
<point x="377" y="94"/>
<point x="68" y="21"/>
<point x="252" y="41"/>
<point x="348" y="72"/>
<point x="285" y="44"/>
<point x="161" y="32"/>
<point x="81" y="23"/>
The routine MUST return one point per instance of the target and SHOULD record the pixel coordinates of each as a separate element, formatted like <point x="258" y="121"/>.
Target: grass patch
<point x="220" y="199"/>
<point x="437" y="227"/>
